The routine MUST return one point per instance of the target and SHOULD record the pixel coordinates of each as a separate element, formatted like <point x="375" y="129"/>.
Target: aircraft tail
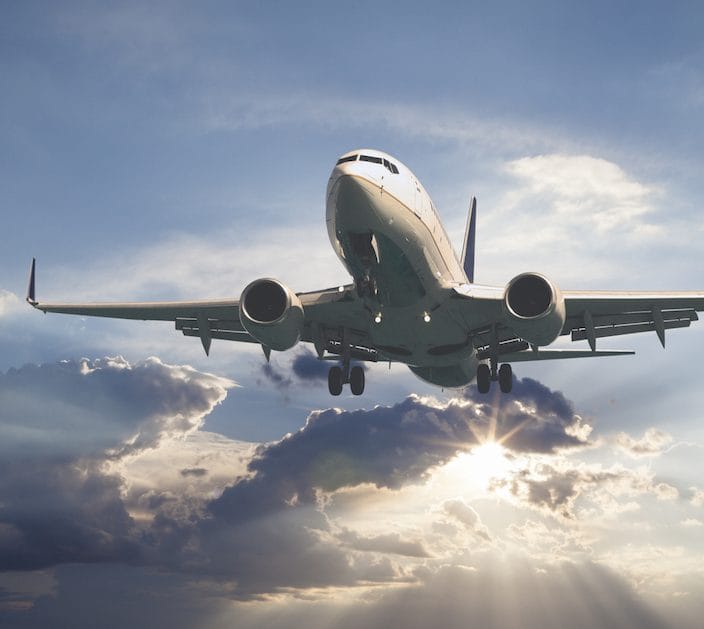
<point x="470" y="234"/>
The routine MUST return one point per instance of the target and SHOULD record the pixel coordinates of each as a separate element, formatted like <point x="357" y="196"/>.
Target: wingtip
<point x="31" y="298"/>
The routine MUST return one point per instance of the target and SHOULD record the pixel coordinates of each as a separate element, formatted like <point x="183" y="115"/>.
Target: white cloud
<point x="692" y="523"/>
<point x="697" y="498"/>
<point x="653" y="443"/>
<point x="467" y="515"/>
<point x="9" y="303"/>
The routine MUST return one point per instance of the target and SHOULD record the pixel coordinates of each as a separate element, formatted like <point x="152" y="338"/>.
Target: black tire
<point x="335" y="380"/>
<point x="483" y="378"/>
<point x="357" y="380"/>
<point x="505" y="378"/>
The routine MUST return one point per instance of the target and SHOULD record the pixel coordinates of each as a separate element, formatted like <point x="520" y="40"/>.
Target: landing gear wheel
<point x="335" y="380"/>
<point x="483" y="378"/>
<point x="357" y="380"/>
<point x="505" y="378"/>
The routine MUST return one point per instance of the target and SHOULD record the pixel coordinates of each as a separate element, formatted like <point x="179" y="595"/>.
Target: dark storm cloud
<point x="386" y="446"/>
<point x="390" y="446"/>
<point x="533" y="418"/>
<point x="87" y="408"/>
<point x="274" y="375"/>
<point x="55" y="513"/>
<point x="307" y="366"/>
<point x="268" y="530"/>
<point x="59" y="424"/>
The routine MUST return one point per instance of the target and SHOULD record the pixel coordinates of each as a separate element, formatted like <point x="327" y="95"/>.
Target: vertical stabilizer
<point x="470" y="234"/>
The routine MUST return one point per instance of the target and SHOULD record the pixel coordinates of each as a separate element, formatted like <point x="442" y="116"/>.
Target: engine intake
<point x="272" y="314"/>
<point x="534" y="308"/>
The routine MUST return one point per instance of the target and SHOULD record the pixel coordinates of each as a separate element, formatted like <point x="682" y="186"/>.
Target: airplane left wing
<point x="593" y="315"/>
<point x="326" y="312"/>
<point x="210" y="319"/>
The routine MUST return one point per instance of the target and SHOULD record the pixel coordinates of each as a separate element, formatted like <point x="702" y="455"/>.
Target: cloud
<point x="491" y="592"/>
<point x="653" y="443"/>
<point x="9" y="303"/>
<point x="390" y="446"/>
<point x="692" y="523"/>
<point x="697" y="498"/>
<point x="587" y="189"/>
<point x="467" y="516"/>
<point x="153" y="489"/>
<point x="388" y="543"/>
<point x="533" y="418"/>
<point x="307" y="366"/>
<point x="557" y="487"/>
<point x="555" y="197"/>
<point x="91" y="407"/>
<point x="60" y="424"/>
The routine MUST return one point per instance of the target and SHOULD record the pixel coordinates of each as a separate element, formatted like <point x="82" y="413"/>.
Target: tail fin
<point x="470" y="234"/>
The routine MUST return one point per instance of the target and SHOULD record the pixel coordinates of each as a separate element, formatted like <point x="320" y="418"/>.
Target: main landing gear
<point x="338" y="376"/>
<point x="486" y="375"/>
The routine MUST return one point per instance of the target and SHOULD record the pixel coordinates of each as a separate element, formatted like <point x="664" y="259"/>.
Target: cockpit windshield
<point x="390" y="166"/>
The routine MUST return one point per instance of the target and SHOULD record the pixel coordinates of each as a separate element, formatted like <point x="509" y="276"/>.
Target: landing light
<point x="377" y="317"/>
<point x="426" y="317"/>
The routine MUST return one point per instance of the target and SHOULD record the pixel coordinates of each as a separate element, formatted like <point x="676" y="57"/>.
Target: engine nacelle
<point x="534" y="308"/>
<point x="272" y="314"/>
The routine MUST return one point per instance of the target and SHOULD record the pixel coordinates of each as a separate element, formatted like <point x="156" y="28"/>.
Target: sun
<point x="488" y="462"/>
<point x="479" y="468"/>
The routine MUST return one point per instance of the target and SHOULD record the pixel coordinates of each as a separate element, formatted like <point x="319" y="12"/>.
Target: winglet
<point x="470" y="234"/>
<point x="30" y="289"/>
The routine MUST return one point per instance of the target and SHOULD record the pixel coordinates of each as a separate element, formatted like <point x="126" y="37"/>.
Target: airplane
<point x="412" y="300"/>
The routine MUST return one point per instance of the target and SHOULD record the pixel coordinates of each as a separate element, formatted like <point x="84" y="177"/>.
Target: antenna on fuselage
<point x="470" y="234"/>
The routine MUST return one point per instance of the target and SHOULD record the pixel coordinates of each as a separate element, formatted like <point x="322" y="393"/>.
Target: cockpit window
<point x="349" y="158"/>
<point x="391" y="167"/>
<point x="378" y="160"/>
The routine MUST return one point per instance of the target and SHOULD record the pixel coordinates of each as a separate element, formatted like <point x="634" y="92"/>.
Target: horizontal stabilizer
<point x="558" y="354"/>
<point x="470" y="234"/>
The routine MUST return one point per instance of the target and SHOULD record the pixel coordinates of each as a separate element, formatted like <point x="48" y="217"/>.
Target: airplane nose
<point x="354" y="201"/>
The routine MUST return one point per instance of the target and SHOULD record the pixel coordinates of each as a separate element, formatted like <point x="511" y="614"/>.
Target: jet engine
<point x="272" y="314"/>
<point x="534" y="308"/>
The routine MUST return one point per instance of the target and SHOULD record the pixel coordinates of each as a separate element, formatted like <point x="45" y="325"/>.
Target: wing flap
<point x="634" y="328"/>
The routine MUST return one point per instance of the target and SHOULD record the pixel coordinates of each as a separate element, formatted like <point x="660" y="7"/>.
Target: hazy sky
<point x="180" y="150"/>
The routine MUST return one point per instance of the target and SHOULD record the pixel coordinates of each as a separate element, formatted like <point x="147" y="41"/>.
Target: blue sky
<point x="179" y="151"/>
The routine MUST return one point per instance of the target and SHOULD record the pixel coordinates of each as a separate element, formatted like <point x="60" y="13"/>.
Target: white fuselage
<point x="384" y="227"/>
